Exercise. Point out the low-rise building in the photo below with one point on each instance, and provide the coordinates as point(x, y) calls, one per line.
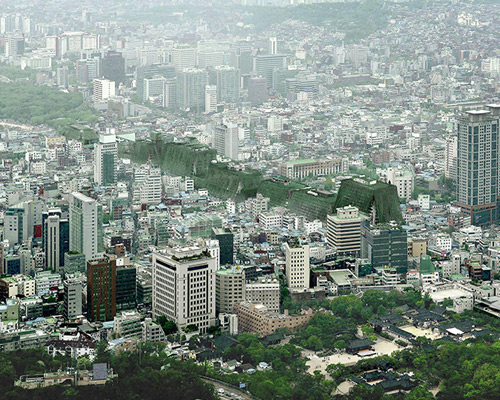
point(264, 291)
point(151, 331)
point(127, 325)
point(255, 318)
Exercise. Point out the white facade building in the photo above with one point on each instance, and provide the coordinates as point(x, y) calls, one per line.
point(184, 287)
point(103, 90)
point(85, 226)
point(105, 158)
point(297, 265)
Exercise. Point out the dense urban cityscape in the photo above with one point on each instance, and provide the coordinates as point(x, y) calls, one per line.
point(250, 199)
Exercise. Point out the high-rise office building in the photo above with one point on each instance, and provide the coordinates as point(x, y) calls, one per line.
point(227, 81)
point(273, 46)
point(191, 85)
point(230, 288)
point(226, 244)
point(85, 222)
point(51, 242)
point(450, 157)
point(257, 90)
point(74, 262)
point(113, 67)
point(62, 76)
point(88, 69)
point(241, 56)
point(184, 287)
point(210, 98)
point(183, 56)
point(82, 71)
point(149, 71)
point(344, 230)
point(297, 256)
point(264, 65)
point(226, 137)
point(14, 45)
point(72, 298)
point(101, 289)
point(103, 89)
point(477, 164)
point(384, 245)
point(18, 223)
point(105, 159)
point(170, 93)
point(126, 288)
point(153, 87)
point(209, 58)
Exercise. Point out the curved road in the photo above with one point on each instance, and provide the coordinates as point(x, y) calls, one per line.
point(228, 389)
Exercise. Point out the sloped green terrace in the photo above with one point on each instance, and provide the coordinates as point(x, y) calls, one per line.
point(363, 195)
point(195, 160)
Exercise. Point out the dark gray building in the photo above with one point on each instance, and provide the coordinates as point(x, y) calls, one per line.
point(384, 245)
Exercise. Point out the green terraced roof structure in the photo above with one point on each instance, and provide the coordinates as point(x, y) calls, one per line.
point(354, 192)
point(426, 265)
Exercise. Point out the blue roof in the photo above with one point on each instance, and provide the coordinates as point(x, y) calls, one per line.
point(36, 320)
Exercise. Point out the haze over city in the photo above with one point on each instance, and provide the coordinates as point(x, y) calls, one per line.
point(250, 199)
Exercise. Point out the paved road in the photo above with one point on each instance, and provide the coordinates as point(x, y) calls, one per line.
point(228, 389)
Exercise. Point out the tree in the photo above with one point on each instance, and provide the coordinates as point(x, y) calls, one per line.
point(102, 354)
point(193, 342)
point(7, 373)
point(169, 327)
point(419, 393)
point(367, 330)
point(340, 344)
point(314, 343)
point(83, 363)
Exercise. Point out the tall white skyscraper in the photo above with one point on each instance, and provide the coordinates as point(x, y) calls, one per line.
point(103, 89)
point(273, 45)
point(210, 98)
point(18, 223)
point(72, 298)
point(191, 85)
point(85, 226)
point(450, 157)
point(184, 287)
point(226, 140)
point(52, 247)
point(62, 76)
point(105, 158)
point(297, 265)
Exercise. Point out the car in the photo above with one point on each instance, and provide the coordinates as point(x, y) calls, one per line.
point(221, 391)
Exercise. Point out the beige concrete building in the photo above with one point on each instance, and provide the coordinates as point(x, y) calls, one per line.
point(301, 168)
point(297, 264)
point(255, 318)
point(229, 288)
point(417, 247)
point(344, 230)
point(265, 291)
